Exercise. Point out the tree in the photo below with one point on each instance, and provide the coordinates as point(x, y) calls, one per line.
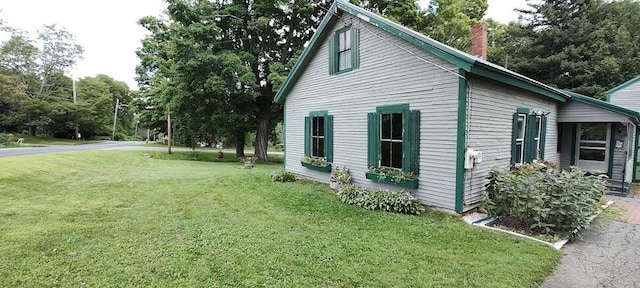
point(450, 21)
point(587, 46)
point(255, 41)
point(58, 53)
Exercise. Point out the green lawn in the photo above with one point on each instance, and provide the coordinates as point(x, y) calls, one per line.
point(116, 218)
point(39, 140)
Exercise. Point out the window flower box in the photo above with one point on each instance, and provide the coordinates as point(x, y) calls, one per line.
point(402, 182)
point(317, 167)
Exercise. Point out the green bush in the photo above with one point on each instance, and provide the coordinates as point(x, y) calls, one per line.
point(282, 176)
point(543, 199)
point(7, 139)
point(396, 201)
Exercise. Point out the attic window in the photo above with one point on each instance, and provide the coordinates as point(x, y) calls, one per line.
point(343, 50)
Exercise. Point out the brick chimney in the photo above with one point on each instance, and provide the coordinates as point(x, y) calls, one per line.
point(479, 41)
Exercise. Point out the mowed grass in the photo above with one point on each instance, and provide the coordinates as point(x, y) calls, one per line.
point(118, 219)
point(41, 140)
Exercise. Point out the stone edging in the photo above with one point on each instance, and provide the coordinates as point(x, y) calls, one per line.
point(482, 220)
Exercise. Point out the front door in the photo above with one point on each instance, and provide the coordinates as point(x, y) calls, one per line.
point(592, 153)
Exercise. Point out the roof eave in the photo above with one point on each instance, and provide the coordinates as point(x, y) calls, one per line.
point(522, 83)
point(621, 86)
point(605, 105)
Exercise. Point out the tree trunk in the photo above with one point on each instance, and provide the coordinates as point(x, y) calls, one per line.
point(262, 134)
point(32, 131)
point(240, 144)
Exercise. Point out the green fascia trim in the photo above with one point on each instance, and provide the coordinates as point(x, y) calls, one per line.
point(621, 86)
point(319, 113)
point(522, 110)
point(456, 57)
point(400, 108)
point(284, 134)
point(461, 141)
point(306, 54)
point(407, 183)
point(604, 105)
point(612, 150)
point(574, 142)
point(449, 54)
point(522, 83)
point(316, 167)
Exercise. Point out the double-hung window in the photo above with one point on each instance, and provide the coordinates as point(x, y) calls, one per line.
point(519, 127)
point(318, 138)
point(393, 138)
point(528, 136)
point(344, 50)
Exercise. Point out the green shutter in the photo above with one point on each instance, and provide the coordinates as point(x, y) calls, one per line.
point(355, 48)
point(373, 146)
point(543, 136)
point(332, 55)
point(328, 138)
point(514, 136)
point(412, 146)
point(529, 134)
point(307, 136)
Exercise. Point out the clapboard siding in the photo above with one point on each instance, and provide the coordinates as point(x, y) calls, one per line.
point(628, 97)
point(573, 111)
point(387, 75)
point(631, 140)
point(491, 107)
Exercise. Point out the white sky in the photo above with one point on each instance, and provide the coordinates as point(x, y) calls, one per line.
point(110, 36)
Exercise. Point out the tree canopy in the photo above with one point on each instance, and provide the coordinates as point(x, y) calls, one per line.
point(586, 46)
point(37, 97)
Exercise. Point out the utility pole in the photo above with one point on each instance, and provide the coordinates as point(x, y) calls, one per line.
point(169, 130)
point(73, 80)
point(115, 117)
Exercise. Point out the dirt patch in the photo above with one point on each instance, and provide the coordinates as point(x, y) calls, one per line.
point(630, 211)
point(78, 255)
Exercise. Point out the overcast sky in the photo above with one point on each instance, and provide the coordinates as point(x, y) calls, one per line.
point(110, 36)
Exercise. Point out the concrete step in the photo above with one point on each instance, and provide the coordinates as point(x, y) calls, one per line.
point(618, 188)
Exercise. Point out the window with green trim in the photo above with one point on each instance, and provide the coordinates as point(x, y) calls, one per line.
point(394, 138)
point(318, 135)
point(528, 136)
point(344, 50)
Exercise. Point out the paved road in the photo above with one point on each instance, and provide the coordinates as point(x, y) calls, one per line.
point(607, 256)
point(64, 148)
point(108, 145)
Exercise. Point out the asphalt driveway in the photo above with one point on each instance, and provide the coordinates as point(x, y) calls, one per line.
point(607, 256)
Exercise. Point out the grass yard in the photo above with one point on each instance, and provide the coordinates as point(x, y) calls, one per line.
point(116, 218)
point(40, 140)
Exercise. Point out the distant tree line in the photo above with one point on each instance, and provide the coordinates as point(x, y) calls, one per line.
point(36, 97)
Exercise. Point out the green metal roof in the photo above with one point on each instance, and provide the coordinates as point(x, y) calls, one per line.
point(462, 60)
point(604, 105)
point(620, 87)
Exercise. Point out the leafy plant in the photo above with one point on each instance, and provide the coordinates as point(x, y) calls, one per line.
point(6, 139)
point(282, 176)
point(396, 175)
point(341, 175)
point(543, 199)
point(389, 201)
point(317, 161)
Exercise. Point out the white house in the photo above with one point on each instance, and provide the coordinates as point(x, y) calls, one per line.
point(367, 92)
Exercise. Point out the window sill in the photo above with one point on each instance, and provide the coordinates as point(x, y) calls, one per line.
point(316, 167)
point(406, 183)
